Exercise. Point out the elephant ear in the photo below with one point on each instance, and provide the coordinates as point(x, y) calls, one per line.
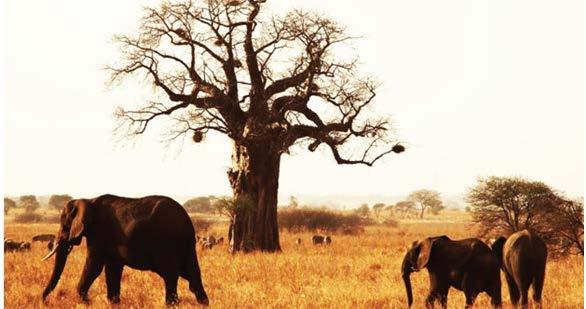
point(424, 252)
point(80, 221)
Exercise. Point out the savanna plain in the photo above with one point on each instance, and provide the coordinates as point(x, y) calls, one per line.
point(355, 271)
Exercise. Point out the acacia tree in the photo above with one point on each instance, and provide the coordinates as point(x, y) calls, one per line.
point(267, 82)
point(426, 199)
point(504, 205)
point(58, 201)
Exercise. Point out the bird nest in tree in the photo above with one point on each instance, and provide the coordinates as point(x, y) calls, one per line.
point(197, 137)
point(398, 148)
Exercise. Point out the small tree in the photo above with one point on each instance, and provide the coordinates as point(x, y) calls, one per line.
point(231, 207)
point(504, 205)
point(293, 203)
point(404, 207)
point(426, 199)
point(377, 208)
point(200, 204)
point(8, 204)
point(58, 201)
point(362, 211)
point(565, 226)
point(29, 203)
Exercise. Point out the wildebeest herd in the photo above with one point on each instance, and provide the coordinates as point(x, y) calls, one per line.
point(155, 233)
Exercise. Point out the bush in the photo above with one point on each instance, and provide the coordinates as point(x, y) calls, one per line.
point(312, 220)
point(28, 217)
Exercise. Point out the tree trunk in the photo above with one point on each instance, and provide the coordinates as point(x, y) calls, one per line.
point(255, 177)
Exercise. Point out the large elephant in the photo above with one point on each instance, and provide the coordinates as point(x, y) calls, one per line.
point(150, 233)
point(523, 257)
point(467, 265)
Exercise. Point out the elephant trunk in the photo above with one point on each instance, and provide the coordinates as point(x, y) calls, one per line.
point(406, 269)
point(62, 251)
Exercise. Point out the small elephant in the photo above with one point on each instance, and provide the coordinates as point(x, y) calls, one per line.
point(151, 233)
point(220, 241)
point(321, 239)
point(522, 257)
point(50, 245)
point(467, 265)
point(44, 237)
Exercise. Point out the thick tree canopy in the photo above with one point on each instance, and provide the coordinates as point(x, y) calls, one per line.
point(224, 66)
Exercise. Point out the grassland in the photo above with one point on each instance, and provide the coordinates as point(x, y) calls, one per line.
point(360, 271)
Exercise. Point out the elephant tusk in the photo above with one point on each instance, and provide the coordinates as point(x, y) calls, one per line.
point(50, 253)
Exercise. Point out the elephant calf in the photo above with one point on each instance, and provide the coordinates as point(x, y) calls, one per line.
point(522, 257)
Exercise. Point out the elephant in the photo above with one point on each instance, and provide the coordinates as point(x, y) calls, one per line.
point(50, 245)
point(467, 265)
point(150, 233)
point(321, 239)
point(522, 258)
point(44, 237)
point(220, 241)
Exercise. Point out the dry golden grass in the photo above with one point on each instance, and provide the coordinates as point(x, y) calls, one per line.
point(354, 272)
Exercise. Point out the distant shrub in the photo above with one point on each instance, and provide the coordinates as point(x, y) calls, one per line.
point(28, 217)
point(311, 220)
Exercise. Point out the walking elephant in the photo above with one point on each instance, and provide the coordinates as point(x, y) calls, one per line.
point(522, 258)
point(150, 233)
point(467, 265)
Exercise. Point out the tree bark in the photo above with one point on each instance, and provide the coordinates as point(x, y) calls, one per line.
point(254, 176)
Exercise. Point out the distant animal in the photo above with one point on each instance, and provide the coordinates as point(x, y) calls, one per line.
point(151, 233)
point(50, 245)
point(522, 258)
point(467, 265)
point(212, 239)
point(220, 241)
point(13, 246)
point(43, 237)
point(298, 241)
point(321, 239)
point(25, 246)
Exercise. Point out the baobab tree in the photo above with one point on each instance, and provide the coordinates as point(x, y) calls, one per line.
point(267, 82)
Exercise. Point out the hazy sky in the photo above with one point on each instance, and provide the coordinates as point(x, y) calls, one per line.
point(475, 88)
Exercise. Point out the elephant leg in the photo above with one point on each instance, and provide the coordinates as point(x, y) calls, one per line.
point(171, 297)
point(513, 290)
point(92, 269)
point(469, 290)
point(430, 299)
point(113, 277)
point(495, 296)
point(538, 286)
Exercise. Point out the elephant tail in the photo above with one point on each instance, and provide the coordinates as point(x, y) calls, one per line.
point(194, 274)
